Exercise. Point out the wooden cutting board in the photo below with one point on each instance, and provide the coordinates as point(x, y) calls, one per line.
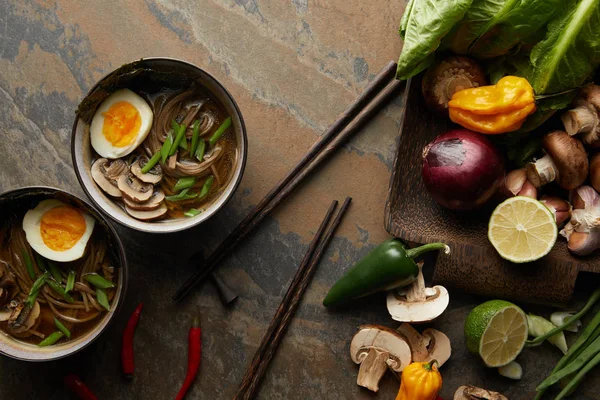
point(473, 265)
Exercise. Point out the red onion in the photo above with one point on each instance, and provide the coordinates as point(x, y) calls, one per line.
point(462, 169)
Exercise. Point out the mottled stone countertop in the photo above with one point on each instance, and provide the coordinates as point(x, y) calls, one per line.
point(292, 66)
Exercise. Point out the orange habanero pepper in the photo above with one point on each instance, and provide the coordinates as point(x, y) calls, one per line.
point(420, 381)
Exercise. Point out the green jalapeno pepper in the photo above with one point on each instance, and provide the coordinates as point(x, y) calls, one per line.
point(389, 266)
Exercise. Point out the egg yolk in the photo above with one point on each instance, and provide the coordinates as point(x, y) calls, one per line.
point(122, 123)
point(62, 227)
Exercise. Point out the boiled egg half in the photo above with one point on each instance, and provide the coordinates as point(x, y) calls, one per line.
point(58, 231)
point(120, 124)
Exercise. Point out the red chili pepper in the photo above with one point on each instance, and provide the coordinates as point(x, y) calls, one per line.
point(194, 352)
point(127, 359)
point(77, 386)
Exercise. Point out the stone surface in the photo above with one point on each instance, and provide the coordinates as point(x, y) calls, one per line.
point(292, 66)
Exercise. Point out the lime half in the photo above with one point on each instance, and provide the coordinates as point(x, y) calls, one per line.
point(522, 229)
point(497, 331)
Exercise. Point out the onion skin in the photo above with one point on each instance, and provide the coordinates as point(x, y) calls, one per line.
point(462, 169)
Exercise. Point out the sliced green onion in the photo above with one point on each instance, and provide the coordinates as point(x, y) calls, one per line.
point(102, 299)
point(35, 288)
point(195, 135)
point(179, 135)
point(184, 183)
point(59, 325)
point(207, 185)
point(55, 271)
point(192, 212)
point(51, 339)
point(201, 149)
point(151, 163)
point(99, 281)
point(219, 132)
point(70, 281)
point(166, 147)
point(28, 264)
point(57, 287)
point(182, 196)
point(40, 261)
point(183, 142)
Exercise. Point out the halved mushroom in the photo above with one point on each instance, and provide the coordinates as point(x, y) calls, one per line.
point(426, 347)
point(134, 189)
point(416, 303)
point(475, 393)
point(106, 173)
point(23, 316)
point(151, 204)
point(377, 348)
point(147, 215)
point(153, 176)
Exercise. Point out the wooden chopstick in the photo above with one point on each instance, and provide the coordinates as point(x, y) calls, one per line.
point(289, 305)
point(354, 118)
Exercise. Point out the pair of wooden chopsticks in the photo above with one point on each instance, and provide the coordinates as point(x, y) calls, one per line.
point(375, 96)
point(290, 303)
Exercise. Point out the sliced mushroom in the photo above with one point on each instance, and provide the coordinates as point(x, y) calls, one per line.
point(134, 189)
point(106, 173)
point(377, 348)
point(153, 176)
point(416, 303)
point(475, 393)
point(151, 204)
point(426, 347)
point(23, 316)
point(5, 314)
point(148, 215)
point(566, 161)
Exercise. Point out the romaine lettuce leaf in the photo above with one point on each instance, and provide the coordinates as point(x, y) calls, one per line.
point(423, 25)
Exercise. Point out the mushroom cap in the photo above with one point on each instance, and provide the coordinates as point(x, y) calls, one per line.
point(385, 340)
point(148, 215)
point(106, 173)
point(152, 203)
point(153, 176)
point(134, 189)
point(569, 157)
point(447, 77)
point(437, 300)
point(418, 343)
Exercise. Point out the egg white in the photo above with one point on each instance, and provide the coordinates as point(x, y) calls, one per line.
point(105, 148)
point(32, 227)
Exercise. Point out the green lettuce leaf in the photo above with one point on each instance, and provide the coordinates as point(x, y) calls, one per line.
point(423, 25)
point(492, 28)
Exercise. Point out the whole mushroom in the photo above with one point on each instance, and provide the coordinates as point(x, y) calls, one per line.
point(584, 118)
point(449, 76)
point(417, 303)
point(378, 348)
point(566, 161)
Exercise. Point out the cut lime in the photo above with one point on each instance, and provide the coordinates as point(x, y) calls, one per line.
point(522, 229)
point(496, 330)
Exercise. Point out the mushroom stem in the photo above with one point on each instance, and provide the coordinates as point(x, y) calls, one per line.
point(372, 369)
point(416, 291)
point(583, 118)
point(542, 171)
point(417, 251)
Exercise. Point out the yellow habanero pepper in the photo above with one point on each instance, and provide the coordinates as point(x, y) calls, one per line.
point(493, 109)
point(420, 381)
